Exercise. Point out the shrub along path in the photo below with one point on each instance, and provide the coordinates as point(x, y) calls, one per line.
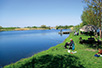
point(58, 57)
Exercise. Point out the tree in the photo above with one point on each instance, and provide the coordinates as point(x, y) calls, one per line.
point(81, 25)
point(56, 27)
point(34, 27)
point(43, 26)
point(88, 17)
point(93, 13)
point(64, 27)
point(1, 27)
point(28, 27)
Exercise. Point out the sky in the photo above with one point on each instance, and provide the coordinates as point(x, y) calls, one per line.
point(22, 13)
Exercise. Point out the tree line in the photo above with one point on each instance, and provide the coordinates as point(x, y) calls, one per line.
point(49, 27)
point(35, 27)
point(42, 26)
point(64, 27)
point(7, 28)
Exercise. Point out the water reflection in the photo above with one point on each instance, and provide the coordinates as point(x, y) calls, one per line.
point(60, 34)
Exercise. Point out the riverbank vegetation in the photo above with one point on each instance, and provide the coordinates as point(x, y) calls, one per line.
point(8, 28)
point(42, 27)
point(64, 27)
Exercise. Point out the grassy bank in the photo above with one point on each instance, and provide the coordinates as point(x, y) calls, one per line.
point(58, 57)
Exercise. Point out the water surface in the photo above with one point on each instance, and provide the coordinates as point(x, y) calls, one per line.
point(15, 45)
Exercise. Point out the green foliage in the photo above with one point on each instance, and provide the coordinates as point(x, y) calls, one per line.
point(64, 27)
point(8, 28)
point(28, 27)
point(34, 27)
point(1, 27)
point(77, 27)
point(89, 17)
point(43, 26)
point(93, 13)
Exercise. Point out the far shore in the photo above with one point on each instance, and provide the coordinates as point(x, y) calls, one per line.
point(30, 29)
point(22, 29)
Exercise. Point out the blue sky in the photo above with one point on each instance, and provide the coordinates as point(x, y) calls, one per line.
point(23, 13)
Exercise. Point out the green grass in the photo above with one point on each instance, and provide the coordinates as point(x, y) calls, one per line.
point(58, 57)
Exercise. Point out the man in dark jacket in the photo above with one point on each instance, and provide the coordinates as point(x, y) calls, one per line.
point(69, 44)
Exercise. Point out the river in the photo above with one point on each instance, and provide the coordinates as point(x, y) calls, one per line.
point(15, 45)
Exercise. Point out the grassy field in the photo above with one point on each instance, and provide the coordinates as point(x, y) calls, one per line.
point(58, 57)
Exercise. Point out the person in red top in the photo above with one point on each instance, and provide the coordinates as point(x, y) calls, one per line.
point(100, 51)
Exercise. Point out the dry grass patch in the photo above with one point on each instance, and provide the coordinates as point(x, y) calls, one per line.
point(93, 50)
